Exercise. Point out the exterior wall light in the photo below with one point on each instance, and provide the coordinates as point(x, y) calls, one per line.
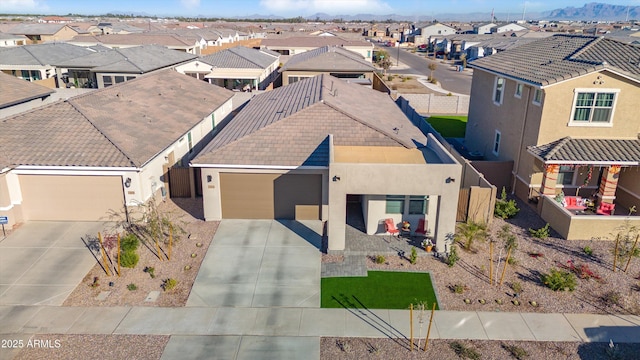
point(127, 182)
point(336, 178)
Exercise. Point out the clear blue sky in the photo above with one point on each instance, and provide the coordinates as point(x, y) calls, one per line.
point(287, 8)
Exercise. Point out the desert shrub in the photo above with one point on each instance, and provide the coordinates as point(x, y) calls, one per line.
point(464, 351)
point(558, 280)
point(151, 271)
point(541, 233)
point(611, 298)
point(512, 261)
point(389, 78)
point(459, 288)
point(169, 284)
point(516, 286)
point(433, 80)
point(470, 231)
point(587, 250)
point(129, 259)
point(132, 287)
point(453, 256)
point(581, 270)
point(129, 243)
point(380, 259)
point(505, 209)
point(516, 351)
point(414, 256)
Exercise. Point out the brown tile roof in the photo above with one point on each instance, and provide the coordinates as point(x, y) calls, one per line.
point(57, 135)
point(144, 116)
point(328, 58)
point(289, 126)
point(171, 40)
point(561, 57)
point(313, 41)
point(15, 91)
point(589, 151)
point(122, 125)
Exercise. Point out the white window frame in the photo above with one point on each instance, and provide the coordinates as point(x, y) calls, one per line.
point(519, 90)
point(536, 101)
point(495, 89)
point(595, 91)
point(497, 139)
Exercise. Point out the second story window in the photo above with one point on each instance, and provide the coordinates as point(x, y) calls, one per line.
point(537, 97)
point(498, 91)
point(519, 87)
point(593, 107)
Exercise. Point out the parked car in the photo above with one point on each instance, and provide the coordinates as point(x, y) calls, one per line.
point(422, 48)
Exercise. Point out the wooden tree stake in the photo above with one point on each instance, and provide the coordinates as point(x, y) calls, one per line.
point(506, 263)
point(633, 249)
point(490, 262)
point(104, 255)
point(615, 253)
point(411, 323)
point(119, 255)
point(170, 242)
point(426, 341)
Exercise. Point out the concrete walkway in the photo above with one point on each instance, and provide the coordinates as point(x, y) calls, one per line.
point(240, 332)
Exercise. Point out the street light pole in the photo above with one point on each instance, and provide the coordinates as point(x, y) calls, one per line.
point(398, 58)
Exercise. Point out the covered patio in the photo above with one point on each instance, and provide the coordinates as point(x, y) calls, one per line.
point(587, 181)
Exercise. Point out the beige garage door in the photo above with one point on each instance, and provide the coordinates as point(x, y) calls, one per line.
point(271, 196)
point(79, 198)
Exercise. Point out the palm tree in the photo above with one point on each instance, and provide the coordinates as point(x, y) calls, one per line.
point(510, 243)
point(469, 232)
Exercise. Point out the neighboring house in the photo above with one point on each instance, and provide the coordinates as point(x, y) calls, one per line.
point(484, 28)
point(54, 20)
point(106, 28)
point(17, 95)
point(508, 28)
point(421, 33)
point(36, 62)
point(7, 40)
point(564, 110)
point(41, 33)
point(236, 68)
point(113, 66)
point(107, 151)
point(495, 45)
point(187, 44)
point(299, 151)
point(300, 44)
point(332, 60)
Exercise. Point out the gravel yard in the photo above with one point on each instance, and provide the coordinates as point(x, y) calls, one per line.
point(198, 231)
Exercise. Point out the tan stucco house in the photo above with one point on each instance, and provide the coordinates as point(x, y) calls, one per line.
point(332, 60)
point(106, 151)
point(564, 110)
point(300, 151)
point(237, 68)
point(42, 33)
point(299, 44)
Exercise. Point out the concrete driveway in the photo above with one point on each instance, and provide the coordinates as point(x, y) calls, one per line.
point(261, 263)
point(42, 262)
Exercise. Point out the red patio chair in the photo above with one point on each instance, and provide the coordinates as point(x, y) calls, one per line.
point(390, 227)
point(422, 228)
point(605, 209)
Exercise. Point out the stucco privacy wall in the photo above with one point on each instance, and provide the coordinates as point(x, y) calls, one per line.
point(438, 104)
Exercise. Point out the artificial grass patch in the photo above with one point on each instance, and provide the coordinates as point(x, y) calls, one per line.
point(379, 290)
point(449, 126)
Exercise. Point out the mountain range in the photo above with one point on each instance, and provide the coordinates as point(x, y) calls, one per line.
point(588, 12)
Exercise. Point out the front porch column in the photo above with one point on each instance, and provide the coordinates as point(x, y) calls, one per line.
point(609, 184)
point(549, 180)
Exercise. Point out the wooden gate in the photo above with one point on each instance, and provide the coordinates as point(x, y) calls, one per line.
point(179, 182)
point(463, 205)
